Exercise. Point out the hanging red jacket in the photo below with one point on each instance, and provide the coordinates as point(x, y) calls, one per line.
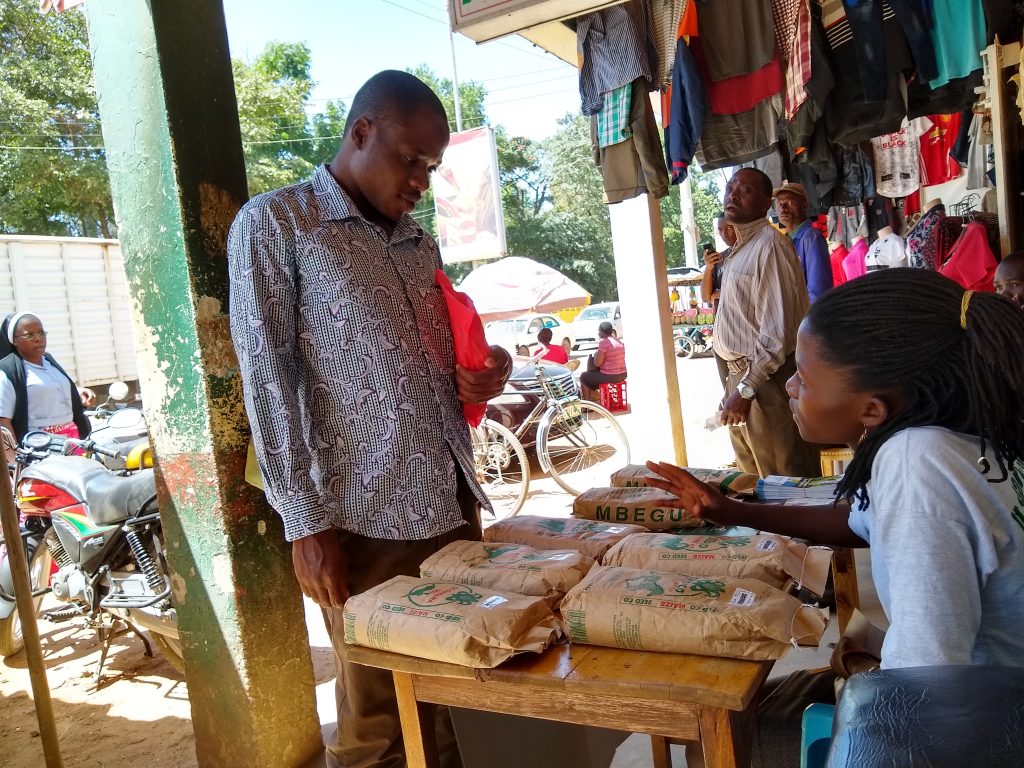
point(970, 262)
point(838, 273)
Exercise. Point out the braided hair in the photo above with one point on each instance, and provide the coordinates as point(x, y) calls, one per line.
point(899, 330)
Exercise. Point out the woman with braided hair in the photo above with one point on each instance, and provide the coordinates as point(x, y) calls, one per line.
point(926, 382)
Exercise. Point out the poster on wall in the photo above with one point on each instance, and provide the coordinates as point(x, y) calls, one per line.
point(467, 196)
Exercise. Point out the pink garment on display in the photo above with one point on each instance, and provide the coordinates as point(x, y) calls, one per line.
point(970, 262)
point(853, 264)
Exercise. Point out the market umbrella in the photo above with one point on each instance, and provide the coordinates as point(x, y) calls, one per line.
point(516, 286)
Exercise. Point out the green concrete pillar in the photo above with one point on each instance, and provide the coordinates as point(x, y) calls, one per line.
point(174, 153)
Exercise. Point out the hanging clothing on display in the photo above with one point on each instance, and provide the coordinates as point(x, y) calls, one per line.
point(1003, 18)
point(854, 264)
point(963, 137)
point(923, 239)
point(897, 171)
point(856, 177)
point(971, 262)
point(636, 165)
point(838, 255)
point(878, 214)
point(793, 36)
point(613, 119)
point(867, 22)
point(849, 117)
point(980, 153)
point(738, 36)
point(740, 93)
point(937, 164)
point(615, 46)
point(687, 105)
point(886, 252)
point(955, 96)
point(665, 18)
point(735, 139)
point(958, 35)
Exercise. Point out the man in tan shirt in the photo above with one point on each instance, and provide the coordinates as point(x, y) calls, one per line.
point(763, 299)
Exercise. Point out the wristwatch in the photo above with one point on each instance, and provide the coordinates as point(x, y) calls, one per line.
point(746, 391)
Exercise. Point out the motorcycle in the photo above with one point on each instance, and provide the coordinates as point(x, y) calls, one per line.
point(120, 427)
point(693, 340)
point(94, 541)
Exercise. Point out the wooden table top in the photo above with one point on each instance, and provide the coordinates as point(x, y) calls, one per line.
point(704, 680)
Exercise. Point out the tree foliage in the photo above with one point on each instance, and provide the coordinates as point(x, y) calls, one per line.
point(53, 176)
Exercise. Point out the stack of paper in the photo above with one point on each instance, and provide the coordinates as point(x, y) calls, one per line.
point(779, 488)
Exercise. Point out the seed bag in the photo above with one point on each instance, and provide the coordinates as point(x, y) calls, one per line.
point(509, 567)
point(650, 507)
point(590, 538)
point(765, 557)
point(725, 480)
point(650, 611)
point(453, 623)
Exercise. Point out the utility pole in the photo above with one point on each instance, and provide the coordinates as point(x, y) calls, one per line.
point(687, 223)
point(455, 72)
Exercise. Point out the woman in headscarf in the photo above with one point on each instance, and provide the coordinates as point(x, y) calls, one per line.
point(35, 392)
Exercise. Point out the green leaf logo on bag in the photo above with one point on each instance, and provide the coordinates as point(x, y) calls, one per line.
point(707, 544)
point(648, 584)
point(554, 526)
point(700, 588)
point(434, 595)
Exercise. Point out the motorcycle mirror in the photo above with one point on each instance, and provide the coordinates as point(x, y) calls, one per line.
point(37, 441)
point(118, 391)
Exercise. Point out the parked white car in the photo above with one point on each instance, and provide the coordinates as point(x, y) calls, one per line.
point(519, 335)
point(584, 327)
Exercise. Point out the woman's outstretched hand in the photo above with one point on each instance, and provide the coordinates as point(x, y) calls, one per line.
point(697, 497)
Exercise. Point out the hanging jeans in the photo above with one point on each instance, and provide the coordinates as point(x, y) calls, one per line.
point(867, 25)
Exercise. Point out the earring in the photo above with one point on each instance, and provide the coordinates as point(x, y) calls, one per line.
point(862, 436)
point(983, 465)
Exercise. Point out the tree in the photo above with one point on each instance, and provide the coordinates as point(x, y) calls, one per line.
point(53, 176)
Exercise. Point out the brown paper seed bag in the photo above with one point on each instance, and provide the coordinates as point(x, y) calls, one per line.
point(453, 623)
point(725, 480)
point(767, 557)
point(509, 567)
point(652, 508)
point(651, 611)
point(590, 538)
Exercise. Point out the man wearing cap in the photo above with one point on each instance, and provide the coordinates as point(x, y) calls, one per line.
point(791, 205)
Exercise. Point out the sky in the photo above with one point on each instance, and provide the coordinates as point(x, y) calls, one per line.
point(350, 40)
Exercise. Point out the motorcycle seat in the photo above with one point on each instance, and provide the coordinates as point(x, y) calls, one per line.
point(110, 498)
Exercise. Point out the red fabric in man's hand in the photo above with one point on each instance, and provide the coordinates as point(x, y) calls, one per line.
point(471, 347)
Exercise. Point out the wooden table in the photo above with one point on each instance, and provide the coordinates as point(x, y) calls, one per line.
point(669, 696)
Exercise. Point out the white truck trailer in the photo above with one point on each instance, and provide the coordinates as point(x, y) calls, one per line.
point(77, 287)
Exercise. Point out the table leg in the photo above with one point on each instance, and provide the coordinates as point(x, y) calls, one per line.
point(844, 581)
point(727, 737)
point(661, 751)
point(418, 724)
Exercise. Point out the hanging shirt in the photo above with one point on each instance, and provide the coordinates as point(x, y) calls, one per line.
point(813, 252)
point(896, 164)
point(853, 264)
point(687, 104)
point(923, 239)
point(615, 46)
point(937, 166)
point(48, 392)
point(971, 262)
point(886, 252)
point(838, 275)
point(958, 35)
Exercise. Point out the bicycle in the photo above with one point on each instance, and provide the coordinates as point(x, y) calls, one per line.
point(578, 443)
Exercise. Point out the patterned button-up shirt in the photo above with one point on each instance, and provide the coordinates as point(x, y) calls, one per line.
point(345, 348)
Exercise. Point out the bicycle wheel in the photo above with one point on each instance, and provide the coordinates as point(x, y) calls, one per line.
point(502, 468)
point(580, 444)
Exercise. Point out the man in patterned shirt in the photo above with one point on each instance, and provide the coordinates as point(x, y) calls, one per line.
point(763, 300)
point(346, 353)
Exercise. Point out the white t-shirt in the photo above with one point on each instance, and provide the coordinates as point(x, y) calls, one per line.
point(946, 551)
point(49, 396)
point(885, 252)
point(897, 169)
